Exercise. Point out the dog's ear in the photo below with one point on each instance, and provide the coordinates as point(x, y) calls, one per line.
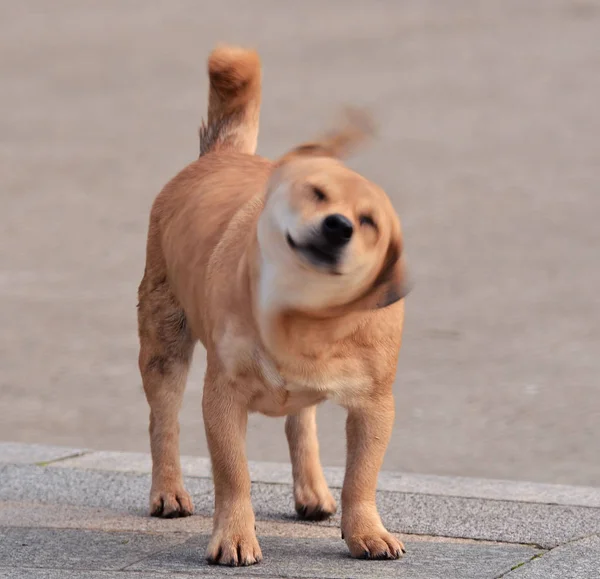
point(356, 127)
point(391, 284)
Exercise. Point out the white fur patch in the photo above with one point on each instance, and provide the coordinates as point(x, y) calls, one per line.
point(234, 350)
point(340, 388)
point(239, 353)
point(269, 372)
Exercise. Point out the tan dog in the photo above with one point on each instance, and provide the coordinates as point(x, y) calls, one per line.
point(291, 275)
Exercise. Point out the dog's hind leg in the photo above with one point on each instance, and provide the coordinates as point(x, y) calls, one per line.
point(311, 494)
point(166, 348)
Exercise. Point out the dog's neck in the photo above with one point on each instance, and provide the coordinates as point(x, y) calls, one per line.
point(284, 328)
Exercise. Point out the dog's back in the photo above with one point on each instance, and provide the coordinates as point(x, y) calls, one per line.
point(193, 211)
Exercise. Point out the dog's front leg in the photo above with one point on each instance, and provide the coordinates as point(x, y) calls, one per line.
point(368, 430)
point(233, 541)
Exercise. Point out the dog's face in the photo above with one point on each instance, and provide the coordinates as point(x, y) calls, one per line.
point(331, 237)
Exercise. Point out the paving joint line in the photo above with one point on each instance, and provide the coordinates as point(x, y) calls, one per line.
point(547, 552)
point(44, 463)
point(524, 563)
point(149, 556)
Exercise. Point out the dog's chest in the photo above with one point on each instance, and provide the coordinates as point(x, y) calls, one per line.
point(282, 389)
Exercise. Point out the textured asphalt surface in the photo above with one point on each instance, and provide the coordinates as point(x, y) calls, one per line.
point(489, 147)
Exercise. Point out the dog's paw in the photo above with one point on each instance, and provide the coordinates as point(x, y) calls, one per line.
point(171, 503)
point(375, 545)
point(314, 502)
point(232, 548)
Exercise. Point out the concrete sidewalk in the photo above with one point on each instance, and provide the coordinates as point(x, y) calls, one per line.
point(75, 513)
point(489, 148)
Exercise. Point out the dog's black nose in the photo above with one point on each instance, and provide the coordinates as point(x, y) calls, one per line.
point(337, 229)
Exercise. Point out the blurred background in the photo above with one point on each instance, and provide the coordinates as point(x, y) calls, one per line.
point(489, 147)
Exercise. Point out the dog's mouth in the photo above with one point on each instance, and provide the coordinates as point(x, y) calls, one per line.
point(319, 255)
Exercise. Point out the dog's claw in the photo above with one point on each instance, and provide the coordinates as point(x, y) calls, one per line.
point(234, 548)
point(317, 513)
point(171, 504)
point(376, 546)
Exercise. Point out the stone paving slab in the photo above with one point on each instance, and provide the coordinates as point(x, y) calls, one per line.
point(284, 557)
point(576, 560)
point(15, 452)
point(77, 549)
point(15, 573)
point(543, 525)
point(40, 515)
point(329, 558)
point(507, 521)
point(281, 473)
point(122, 491)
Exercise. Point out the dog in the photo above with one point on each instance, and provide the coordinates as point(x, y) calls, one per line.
point(292, 275)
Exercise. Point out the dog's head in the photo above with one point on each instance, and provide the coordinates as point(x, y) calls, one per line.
point(330, 236)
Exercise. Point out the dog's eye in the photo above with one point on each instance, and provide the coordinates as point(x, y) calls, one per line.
point(319, 195)
point(367, 220)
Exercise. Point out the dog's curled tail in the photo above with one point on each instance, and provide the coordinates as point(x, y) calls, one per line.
point(233, 101)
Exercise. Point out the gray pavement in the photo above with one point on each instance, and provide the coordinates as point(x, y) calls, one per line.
point(489, 147)
point(294, 557)
point(572, 561)
point(79, 517)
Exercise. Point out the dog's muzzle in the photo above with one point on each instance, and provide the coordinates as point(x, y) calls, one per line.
point(325, 246)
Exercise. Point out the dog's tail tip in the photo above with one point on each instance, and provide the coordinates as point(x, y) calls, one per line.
point(233, 100)
point(233, 70)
